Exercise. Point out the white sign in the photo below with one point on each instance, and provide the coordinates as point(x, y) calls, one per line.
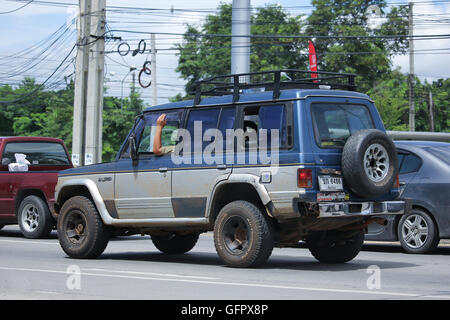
point(88, 159)
point(76, 159)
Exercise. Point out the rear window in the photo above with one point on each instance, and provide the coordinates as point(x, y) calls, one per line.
point(38, 153)
point(334, 123)
point(442, 153)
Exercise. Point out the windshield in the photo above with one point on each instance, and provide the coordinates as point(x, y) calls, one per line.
point(37, 153)
point(334, 123)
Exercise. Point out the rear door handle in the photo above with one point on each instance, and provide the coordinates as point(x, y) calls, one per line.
point(163, 169)
point(221, 166)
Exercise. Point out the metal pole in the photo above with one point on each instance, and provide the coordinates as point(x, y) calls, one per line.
point(94, 109)
point(240, 45)
point(81, 78)
point(153, 69)
point(412, 107)
point(431, 112)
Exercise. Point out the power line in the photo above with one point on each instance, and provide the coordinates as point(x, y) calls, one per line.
point(42, 84)
point(17, 9)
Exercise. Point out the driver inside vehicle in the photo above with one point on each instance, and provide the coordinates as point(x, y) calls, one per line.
point(158, 148)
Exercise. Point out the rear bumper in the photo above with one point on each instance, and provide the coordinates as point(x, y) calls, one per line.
point(350, 209)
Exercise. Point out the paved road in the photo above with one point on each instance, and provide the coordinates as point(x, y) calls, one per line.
point(132, 268)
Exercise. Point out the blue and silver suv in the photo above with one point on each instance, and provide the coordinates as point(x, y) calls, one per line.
point(263, 159)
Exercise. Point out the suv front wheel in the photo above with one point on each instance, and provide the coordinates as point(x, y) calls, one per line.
point(81, 231)
point(243, 235)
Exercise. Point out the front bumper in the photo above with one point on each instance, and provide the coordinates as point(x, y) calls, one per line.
point(350, 209)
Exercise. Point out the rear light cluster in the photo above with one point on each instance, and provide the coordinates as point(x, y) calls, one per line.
point(305, 178)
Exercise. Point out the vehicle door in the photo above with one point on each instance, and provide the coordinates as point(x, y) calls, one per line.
point(204, 159)
point(409, 165)
point(143, 186)
point(6, 196)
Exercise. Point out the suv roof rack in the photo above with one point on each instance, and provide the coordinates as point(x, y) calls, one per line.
point(275, 81)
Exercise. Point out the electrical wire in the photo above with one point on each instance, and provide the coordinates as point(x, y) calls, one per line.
point(17, 9)
point(41, 85)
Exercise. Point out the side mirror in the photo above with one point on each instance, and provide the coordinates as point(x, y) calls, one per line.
point(133, 150)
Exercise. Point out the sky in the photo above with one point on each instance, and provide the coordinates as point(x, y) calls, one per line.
point(24, 29)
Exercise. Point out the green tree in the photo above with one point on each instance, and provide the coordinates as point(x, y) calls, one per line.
point(201, 56)
point(391, 99)
point(369, 58)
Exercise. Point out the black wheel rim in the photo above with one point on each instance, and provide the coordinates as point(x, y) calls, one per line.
point(236, 235)
point(75, 227)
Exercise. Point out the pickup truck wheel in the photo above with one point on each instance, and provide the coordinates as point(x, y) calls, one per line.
point(175, 243)
point(328, 249)
point(81, 231)
point(243, 235)
point(369, 163)
point(417, 232)
point(34, 217)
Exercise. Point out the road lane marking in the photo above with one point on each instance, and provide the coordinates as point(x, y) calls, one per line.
point(239, 284)
point(151, 274)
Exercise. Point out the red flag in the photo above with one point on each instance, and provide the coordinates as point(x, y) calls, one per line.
point(312, 59)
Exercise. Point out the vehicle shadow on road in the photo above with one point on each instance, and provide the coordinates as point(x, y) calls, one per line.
point(16, 233)
point(276, 261)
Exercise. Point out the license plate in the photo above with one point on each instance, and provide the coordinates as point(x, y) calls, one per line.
point(330, 183)
point(335, 196)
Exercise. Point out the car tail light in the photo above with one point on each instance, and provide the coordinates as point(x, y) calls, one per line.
point(397, 182)
point(304, 178)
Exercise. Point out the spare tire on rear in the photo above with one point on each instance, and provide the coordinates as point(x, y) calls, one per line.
point(369, 163)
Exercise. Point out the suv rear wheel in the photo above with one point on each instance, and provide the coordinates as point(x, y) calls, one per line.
point(81, 231)
point(328, 248)
point(369, 163)
point(243, 235)
point(34, 217)
point(175, 243)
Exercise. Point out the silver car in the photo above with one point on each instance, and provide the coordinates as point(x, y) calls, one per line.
point(425, 181)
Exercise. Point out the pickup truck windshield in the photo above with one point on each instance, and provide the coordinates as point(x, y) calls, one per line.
point(334, 123)
point(38, 153)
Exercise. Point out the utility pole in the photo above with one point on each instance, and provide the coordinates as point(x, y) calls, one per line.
point(412, 107)
point(240, 40)
point(153, 69)
point(94, 106)
point(81, 81)
point(431, 112)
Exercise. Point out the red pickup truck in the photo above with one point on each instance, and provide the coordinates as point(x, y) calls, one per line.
point(26, 196)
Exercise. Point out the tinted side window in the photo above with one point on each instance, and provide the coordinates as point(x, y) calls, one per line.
point(38, 153)
point(226, 122)
point(270, 117)
point(411, 163)
point(207, 118)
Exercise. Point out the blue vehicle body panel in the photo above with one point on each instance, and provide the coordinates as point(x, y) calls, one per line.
point(304, 150)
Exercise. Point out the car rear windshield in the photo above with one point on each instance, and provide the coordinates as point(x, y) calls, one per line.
point(38, 153)
point(334, 123)
point(442, 153)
